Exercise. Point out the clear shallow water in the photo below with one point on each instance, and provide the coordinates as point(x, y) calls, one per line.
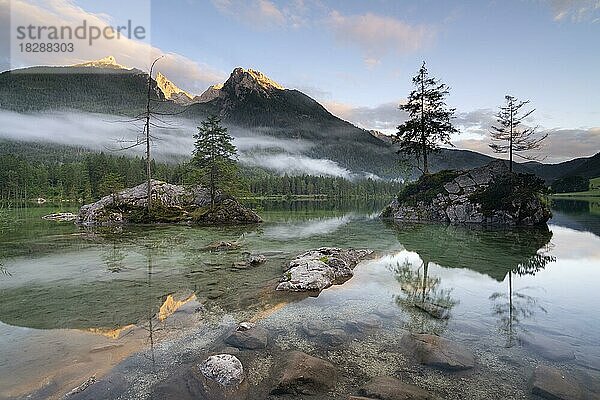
point(83, 285)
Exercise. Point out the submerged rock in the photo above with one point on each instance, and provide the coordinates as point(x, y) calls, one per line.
point(305, 375)
point(551, 383)
point(248, 336)
point(170, 204)
point(548, 348)
point(388, 388)
point(318, 269)
point(435, 310)
point(477, 196)
point(60, 217)
point(438, 352)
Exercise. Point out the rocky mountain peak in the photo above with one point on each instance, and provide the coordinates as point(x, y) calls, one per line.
point(243, 80)
point(171, 91)
point(106, 62)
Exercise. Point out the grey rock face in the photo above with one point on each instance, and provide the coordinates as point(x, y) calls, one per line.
point(224, 369)
point(438, 352)
point(318, 269)
point(453, 205)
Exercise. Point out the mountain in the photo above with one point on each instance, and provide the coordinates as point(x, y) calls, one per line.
point(249, 102)
point(172, 92)
point(107, 62)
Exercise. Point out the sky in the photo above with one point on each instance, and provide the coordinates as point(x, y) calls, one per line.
point(357, 57)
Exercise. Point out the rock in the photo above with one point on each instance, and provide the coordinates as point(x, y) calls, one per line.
point(303, 374)
point(333, 337)
point(109, 387)
point(436, 311)
point(360, 398)
point(171, 204)
point(363, 325)
point(255, 259)
point(318, 269)
point(438, 352)
point(248, 336)
point(452, 188)
point(221, 245)
point(313, 328)
point(388, 388)
point(191, 383)
point(225, 369)
point(551, 383)
point(454, 196)
point(60, 217)
point(548, 348)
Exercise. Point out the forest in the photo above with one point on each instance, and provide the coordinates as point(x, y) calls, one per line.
point(88, 176)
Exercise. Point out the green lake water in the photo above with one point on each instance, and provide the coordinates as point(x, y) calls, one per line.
point(505, 290)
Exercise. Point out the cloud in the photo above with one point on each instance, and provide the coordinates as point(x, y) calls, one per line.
point(385, 117)
point(575, 10)
point(102, 132)
point(378, 36)
point(186, 73)
point(561, 145)
point(306, 229)
point(264, 14)
point(295, 164)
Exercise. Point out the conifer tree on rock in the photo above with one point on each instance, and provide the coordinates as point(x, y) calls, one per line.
point(429, 122)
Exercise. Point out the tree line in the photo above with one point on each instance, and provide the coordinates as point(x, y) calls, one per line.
point(94, 175)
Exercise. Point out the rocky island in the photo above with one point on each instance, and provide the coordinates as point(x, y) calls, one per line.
point(488, 195)
point(170, 204)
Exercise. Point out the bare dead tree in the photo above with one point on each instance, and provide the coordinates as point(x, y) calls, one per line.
point(509, 137)
point(149, 118)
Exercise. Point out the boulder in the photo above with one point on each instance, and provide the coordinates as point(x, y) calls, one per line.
point(388, 388)
point(220, 378)
point(303, 374)
point(248, 336)
point(551, 383)
point(459, 197)
point(438, 352)
point(225, 369)
point(170, 204)
point(318, 269)
point(548, 348)
point(333, 337)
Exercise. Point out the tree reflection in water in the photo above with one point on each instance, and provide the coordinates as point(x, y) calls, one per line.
point(496, 252)
point(422, 297)
point(513, 307)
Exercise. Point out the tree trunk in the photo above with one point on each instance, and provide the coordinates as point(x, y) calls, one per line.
point(147, 128)
point(510, 151)
point(212, 186)
point(423, 138)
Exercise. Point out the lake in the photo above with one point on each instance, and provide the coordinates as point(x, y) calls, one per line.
point(138, 302)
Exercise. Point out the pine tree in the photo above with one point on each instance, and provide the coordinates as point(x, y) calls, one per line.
point(429, 122)
point(509, 138)
point(214, 156)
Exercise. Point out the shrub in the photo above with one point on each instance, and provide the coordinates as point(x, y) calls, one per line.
point(426, 187)
point(508, 192)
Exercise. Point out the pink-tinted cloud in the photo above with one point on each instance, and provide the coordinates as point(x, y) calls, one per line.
point(378, 36)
